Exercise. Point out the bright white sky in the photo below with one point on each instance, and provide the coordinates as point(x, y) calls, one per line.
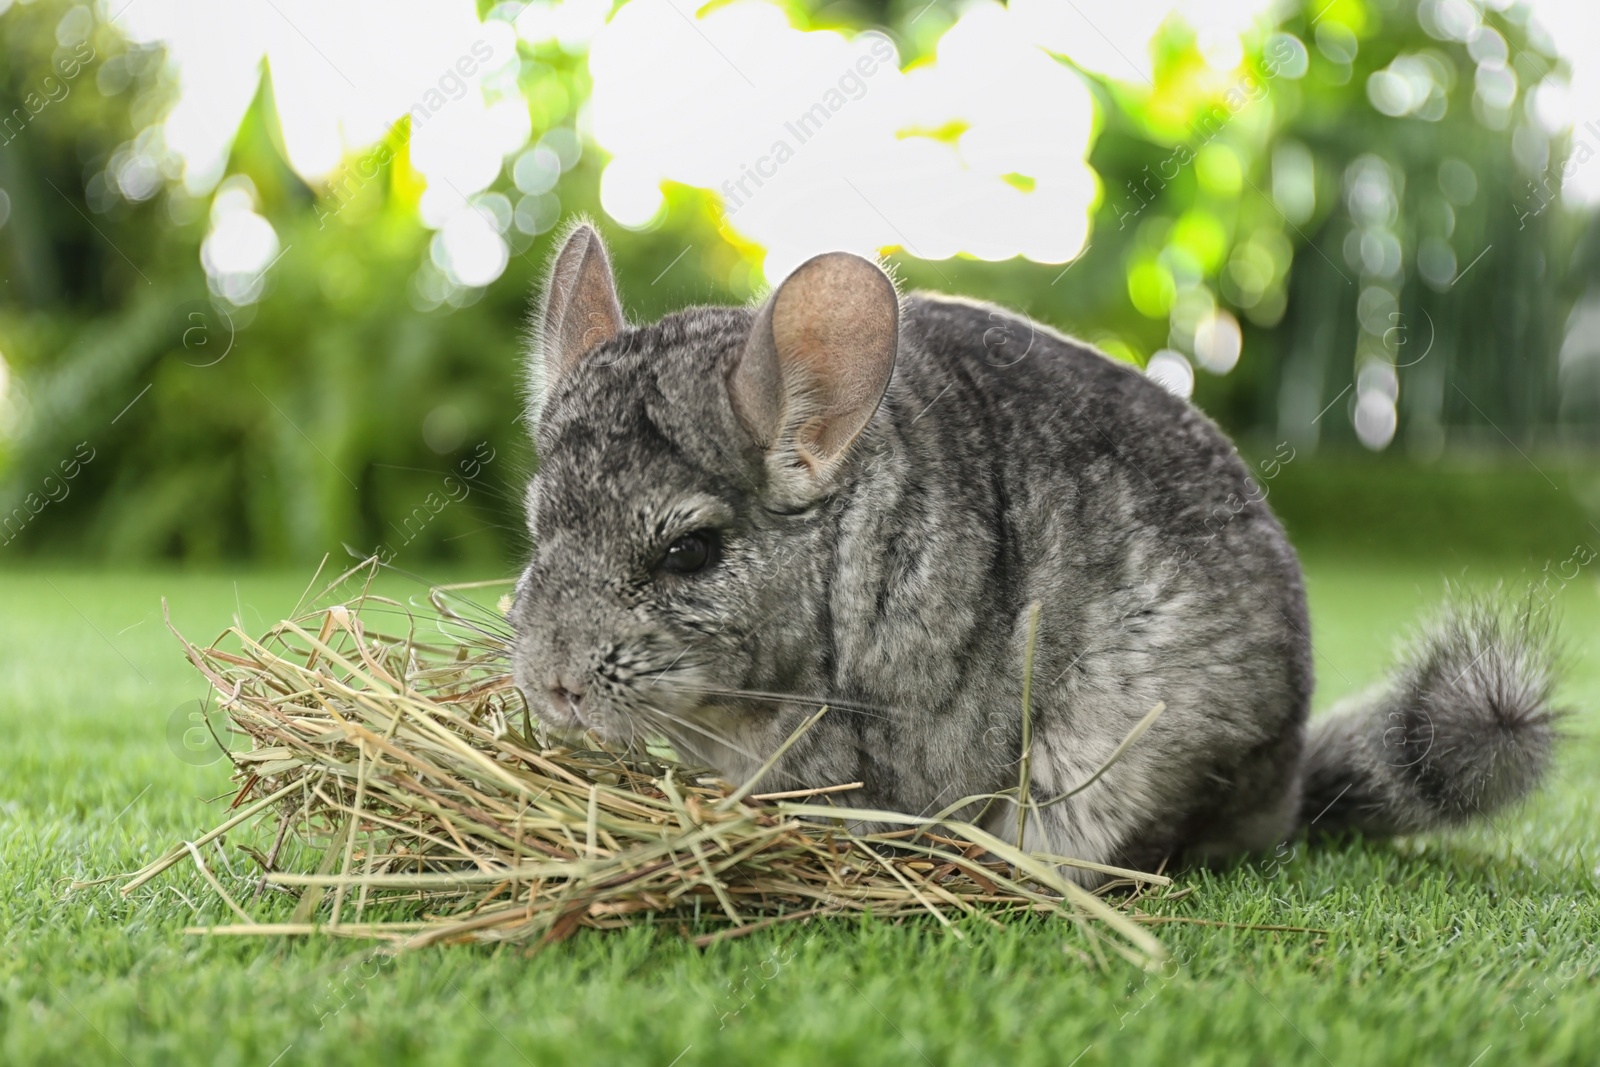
point(706, 100)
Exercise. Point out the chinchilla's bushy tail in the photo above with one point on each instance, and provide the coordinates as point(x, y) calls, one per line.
point(1463, 726)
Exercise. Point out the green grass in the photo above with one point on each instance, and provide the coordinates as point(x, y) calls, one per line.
point(1460, 509)
point(1476, 948)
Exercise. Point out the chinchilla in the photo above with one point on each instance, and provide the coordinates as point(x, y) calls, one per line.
point(854, 498)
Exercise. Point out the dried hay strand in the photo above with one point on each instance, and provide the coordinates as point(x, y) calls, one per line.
point(410, 796)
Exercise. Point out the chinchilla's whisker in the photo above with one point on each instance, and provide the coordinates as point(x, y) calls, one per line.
point(663, 717)
point(469, 636)
point(707, 732)
point(786, 698)
point(666, 733)
point(447, 603)
point(447, 609)
point(466, 611)
point(502, 640)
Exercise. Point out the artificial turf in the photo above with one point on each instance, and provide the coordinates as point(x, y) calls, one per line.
point(1471, 949)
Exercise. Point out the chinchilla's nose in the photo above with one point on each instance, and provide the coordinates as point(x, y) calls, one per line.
point(566, 693)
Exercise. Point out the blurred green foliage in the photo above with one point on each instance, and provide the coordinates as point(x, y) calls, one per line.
point(333, 410)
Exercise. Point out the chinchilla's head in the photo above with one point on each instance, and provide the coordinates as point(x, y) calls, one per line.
point(679, 512)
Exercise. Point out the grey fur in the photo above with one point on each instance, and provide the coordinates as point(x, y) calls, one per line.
point(1005, 464)
point(1464, 726)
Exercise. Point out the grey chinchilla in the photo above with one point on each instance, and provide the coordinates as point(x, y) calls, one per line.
point(850, 497)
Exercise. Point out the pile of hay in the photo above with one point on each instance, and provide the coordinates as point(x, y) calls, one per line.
point(408, 794)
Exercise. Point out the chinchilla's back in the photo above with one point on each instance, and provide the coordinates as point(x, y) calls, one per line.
point(853, 499)
point(1034, 469)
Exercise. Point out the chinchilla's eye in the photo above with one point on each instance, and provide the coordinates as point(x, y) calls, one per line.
point(691, 553)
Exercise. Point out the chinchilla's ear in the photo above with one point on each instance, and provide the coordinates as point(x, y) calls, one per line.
point(579, 309)
point(816, 365)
